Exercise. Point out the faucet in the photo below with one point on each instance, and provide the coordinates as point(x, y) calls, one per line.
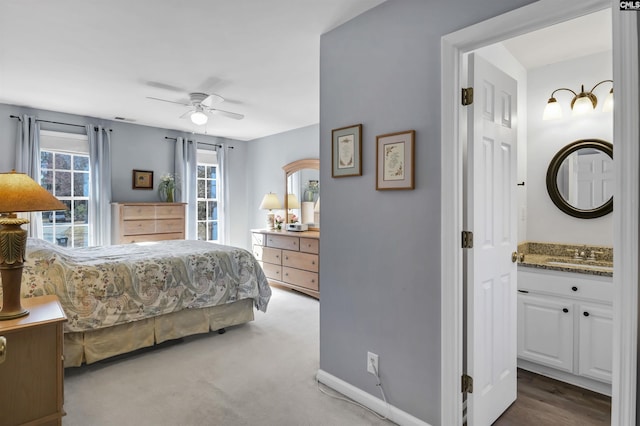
point(576, 254)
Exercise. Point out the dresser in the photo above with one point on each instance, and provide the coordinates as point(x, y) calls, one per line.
point(31, 365)
point(290, 259)
point(138, 222)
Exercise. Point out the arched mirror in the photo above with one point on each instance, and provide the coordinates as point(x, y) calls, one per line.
point(580, 178)
point(302, 189)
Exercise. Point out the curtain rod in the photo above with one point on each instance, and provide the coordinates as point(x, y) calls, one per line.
point(57, 122)
point(217, 145)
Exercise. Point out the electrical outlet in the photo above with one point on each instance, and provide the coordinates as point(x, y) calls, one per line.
point(372, 363)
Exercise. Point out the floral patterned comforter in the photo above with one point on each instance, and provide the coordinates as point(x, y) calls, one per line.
point(104, 286)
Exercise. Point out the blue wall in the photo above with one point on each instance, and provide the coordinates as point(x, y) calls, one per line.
point(380, 250)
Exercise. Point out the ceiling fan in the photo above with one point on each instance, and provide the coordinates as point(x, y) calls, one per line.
point(200, 107)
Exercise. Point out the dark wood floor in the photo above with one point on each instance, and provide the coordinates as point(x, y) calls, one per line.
point(543, 401)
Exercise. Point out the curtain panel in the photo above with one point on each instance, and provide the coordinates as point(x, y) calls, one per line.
point(186, 167)
point(100, 200)
point(28, 161)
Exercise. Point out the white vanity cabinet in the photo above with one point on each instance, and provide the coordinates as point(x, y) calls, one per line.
point(565, 326)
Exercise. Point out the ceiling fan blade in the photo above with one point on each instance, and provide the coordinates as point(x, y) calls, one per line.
point(187, 114)
point(229, 114)
point(212, 99)
point(165, 100)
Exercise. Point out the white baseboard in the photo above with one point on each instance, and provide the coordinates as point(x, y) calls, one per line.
point(572, 379)
point(358, 395)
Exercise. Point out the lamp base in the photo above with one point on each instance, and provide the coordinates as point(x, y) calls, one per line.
point(12, 315)
point(13, 243)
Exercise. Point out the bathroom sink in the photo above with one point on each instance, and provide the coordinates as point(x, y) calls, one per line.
point(582, 266)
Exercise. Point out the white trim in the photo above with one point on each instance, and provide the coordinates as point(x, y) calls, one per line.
point(625, 223)
point(563, 376)
point(361, 397)
point(625, 57)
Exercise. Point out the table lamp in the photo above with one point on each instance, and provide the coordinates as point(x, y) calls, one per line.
point(18, 193)
point(270, 202)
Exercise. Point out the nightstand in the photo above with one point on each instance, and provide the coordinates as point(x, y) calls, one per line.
point(31, 368)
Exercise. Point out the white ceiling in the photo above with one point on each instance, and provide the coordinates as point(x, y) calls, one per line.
point(104, 58)
point(582, 36)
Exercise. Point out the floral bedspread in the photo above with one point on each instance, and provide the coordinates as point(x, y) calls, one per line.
point(104, 286)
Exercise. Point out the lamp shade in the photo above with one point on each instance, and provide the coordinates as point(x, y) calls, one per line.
point(270, 202)
point(292, 201)
point(582, 105)
point(608, 102)
point(20, 193)
point(552, 111)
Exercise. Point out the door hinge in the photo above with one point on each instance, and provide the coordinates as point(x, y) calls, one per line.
point(467, 384)
point(467, 239)
point(467, 96)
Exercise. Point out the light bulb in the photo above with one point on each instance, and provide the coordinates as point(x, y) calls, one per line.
point(199, 118)
point(582, 105)
point(608, 102)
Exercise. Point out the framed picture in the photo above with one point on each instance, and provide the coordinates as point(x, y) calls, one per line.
point(346, 151)
point(395, 160)
point(142, 179)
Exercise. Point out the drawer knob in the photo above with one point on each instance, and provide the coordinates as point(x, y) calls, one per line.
point(565, 310)
point(313, 262)
point(286, 258)
point(586, 314)
point(574, 288)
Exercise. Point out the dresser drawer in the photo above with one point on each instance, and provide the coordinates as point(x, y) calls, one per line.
point(169, 212)
point(257, 239)
point(309, 245)
point(567, 284)
point(128, 239)
point(301, 278)
point(272, 271)
point(138, 212)
point(137, 227)
point(170, 225)
point(280, 241)
point(296, 259)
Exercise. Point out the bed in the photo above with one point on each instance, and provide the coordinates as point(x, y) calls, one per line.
point(125, 297)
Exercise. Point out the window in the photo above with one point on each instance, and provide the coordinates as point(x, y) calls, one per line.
point(207, 199)
point(65, 172)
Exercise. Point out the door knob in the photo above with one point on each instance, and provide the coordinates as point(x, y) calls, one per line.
point(517, 257)
point(3, 349)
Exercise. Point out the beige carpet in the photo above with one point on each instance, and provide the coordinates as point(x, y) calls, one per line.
point(261, 373)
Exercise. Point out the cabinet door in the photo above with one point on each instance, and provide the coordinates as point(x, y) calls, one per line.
point(596, 342)
point(545, 331)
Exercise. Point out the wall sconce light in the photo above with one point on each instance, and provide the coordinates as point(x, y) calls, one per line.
point(270, 202)
point(581, 103)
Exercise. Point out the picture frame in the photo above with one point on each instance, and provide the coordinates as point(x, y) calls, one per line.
point(142, 179)
point(346, 151)
point(395, 160)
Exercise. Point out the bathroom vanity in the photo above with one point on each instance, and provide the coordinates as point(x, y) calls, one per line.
point(565, 322)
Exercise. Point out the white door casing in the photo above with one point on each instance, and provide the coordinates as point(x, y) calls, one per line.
point(626, 74)
point(491, 279)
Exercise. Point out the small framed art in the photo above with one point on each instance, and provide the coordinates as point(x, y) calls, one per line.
point(346, 151)
point(142, 179)
point(395, 160)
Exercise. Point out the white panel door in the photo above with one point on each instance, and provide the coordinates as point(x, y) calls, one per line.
point(545, 331)
point(491, 274)
point(596, 340)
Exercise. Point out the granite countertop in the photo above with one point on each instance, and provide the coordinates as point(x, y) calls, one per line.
point(558, 257)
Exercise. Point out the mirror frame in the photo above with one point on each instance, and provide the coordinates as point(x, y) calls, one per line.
point(291, 168)
point(552, 179)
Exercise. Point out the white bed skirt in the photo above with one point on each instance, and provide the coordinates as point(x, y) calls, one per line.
point(91, 346)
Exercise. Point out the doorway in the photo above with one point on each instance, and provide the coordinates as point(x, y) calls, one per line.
point(529, 18)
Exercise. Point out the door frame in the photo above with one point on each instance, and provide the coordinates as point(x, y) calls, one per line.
point(627, 186)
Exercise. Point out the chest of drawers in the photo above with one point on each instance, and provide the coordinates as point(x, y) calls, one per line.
point(138, 222)
point(290, 259)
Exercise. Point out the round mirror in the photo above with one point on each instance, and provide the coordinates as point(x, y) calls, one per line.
point(580, 178)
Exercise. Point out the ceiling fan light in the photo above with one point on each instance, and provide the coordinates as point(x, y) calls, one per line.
point(552, 111)
point(199, 118)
